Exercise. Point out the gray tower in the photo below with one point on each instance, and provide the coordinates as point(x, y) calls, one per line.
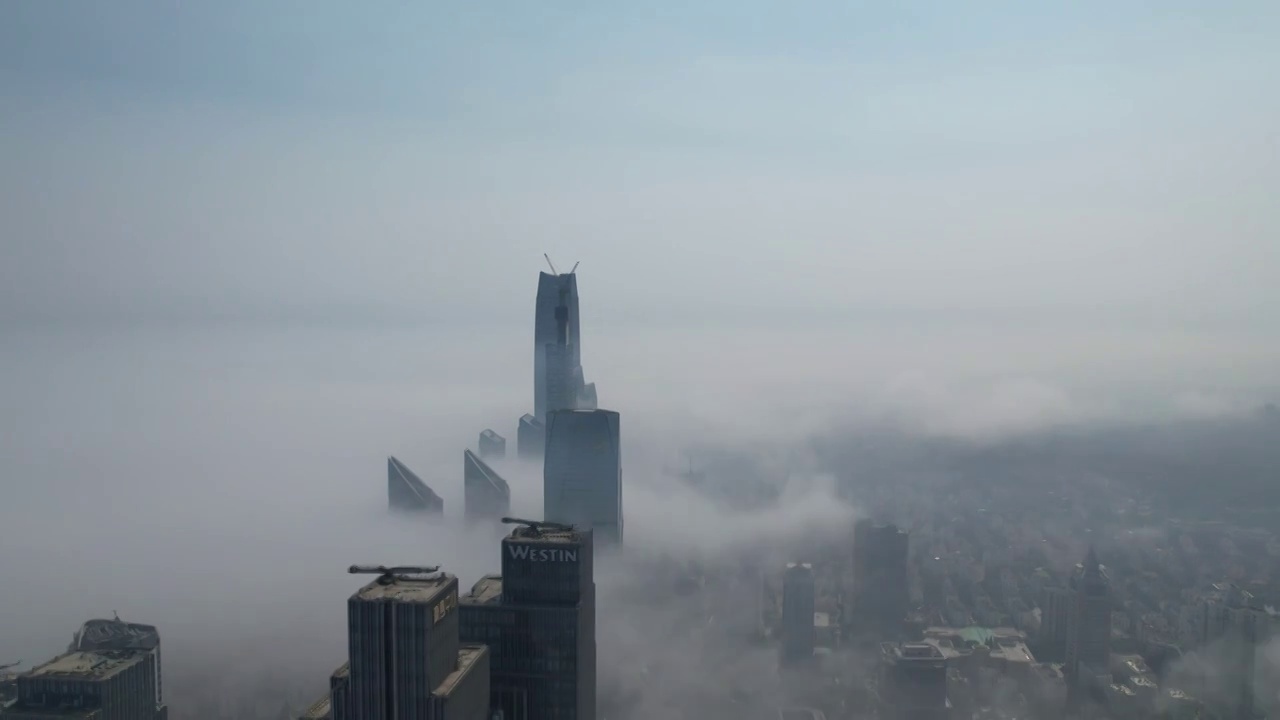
point(531, 438)
point(798, 604)
point(1089, 639)
point(582, 472)
point(492, 445)
point(552, 328)
point(881, 593)
point(406, 491)
point(486, 495)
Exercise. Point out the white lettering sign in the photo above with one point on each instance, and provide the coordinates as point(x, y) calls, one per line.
point(532, 553)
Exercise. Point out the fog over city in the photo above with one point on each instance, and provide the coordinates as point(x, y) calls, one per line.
point(1003, 276)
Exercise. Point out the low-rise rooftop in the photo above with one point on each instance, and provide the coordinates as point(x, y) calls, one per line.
point(486, 591)
point(467, 657)
point(408, 588)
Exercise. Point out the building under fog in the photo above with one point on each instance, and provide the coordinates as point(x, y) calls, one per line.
point(1089, 640)
point(486, 496)
point(531, 437)
point(111, 671)
point(539, 620)
point(491, 445)
point(582, 472)
point(1232, 621)
point(556, 325)
point(407, 491)
point(798, 602)
point(881, 590)
point(913, 682)
point(405, 659)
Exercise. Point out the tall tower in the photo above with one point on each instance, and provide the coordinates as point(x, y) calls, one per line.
point(582, 471)
point(1089, 639)
point(881, 594)
point(798, 602)
point(550, 328)
point(539, 618)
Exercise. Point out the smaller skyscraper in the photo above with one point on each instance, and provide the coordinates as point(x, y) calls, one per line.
point(406, 491)
point(1232, 622)
point(406, 661)
point(117, 635)
point(1056, 607)
point(486, 496)
point(582, 472)
point(531, 438)
point(1089, 641)
point(798, 604)
point(881, 590)
point(91, 685)
point(913, 682)
point(492, 446)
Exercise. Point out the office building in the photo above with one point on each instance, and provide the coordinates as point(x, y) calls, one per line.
point(913, 682)
point(492, 446)
point(1056, 605)
point(881, 590)
point(531, 438)
point(116, 634)
point(582, 472)
point(1089, 640)
point(798, 602)
point(486, 496)
point(406, 491)
point(405, 658)
point(91, 685)
point(539, 620)
point(556, 324)
point(1235, 626)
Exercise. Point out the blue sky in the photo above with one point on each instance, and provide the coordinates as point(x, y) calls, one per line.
point(937, 157)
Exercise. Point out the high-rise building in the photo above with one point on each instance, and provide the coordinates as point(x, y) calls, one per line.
point(556, 323)
point(1089, 640)
point(1056, 607)
point(486, 496)
point(116, 634)
point(798, 602)
point(881, 590)
point(913, 682)
point(406, 660)
point(582, 472)
point(105, 684)
point(539, 620)
point(407, 491)
point(1234, 627)
point(492, 445)
point(531, 438)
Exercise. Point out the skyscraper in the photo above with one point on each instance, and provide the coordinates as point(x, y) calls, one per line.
point(539, 620)
point(492, 445)
point(582, 472)
point(798, 602)
point(118, 635)
point(1233, 622)
point(486, 496)
point(406, 661)
point(555, 323)
point(406, 491)
point(913, 682)
point(531, 438)
point(881, 593)
point(1089, 639)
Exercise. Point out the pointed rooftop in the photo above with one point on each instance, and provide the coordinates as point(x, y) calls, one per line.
point(407, 491)
point(486, 493)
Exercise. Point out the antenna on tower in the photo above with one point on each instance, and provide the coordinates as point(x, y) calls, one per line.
point(553, 267)
point(575, 267)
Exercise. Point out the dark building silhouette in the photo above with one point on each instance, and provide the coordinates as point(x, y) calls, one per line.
point(556, 323)
point(486, 496)
point(1232, 621)
point(110, 672)
point(406, 491)
point(881, 590)
point(913, 682)
point(1089, 640)
point(539, 620)
point(582, 472)
point(405, 658)
point(798, 604)
point(531, 438)
point(492, 445)
point(1056, 607)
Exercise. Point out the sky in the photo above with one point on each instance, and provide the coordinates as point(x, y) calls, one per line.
point(746, 162)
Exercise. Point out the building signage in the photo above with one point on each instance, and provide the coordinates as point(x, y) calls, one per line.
point(443, 607)
point(533, 553)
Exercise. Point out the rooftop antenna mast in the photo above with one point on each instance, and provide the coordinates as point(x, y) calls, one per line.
point(575, 267)
point(10, 665)
point(537, 526)
point(553, 267)
point(387, 575)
